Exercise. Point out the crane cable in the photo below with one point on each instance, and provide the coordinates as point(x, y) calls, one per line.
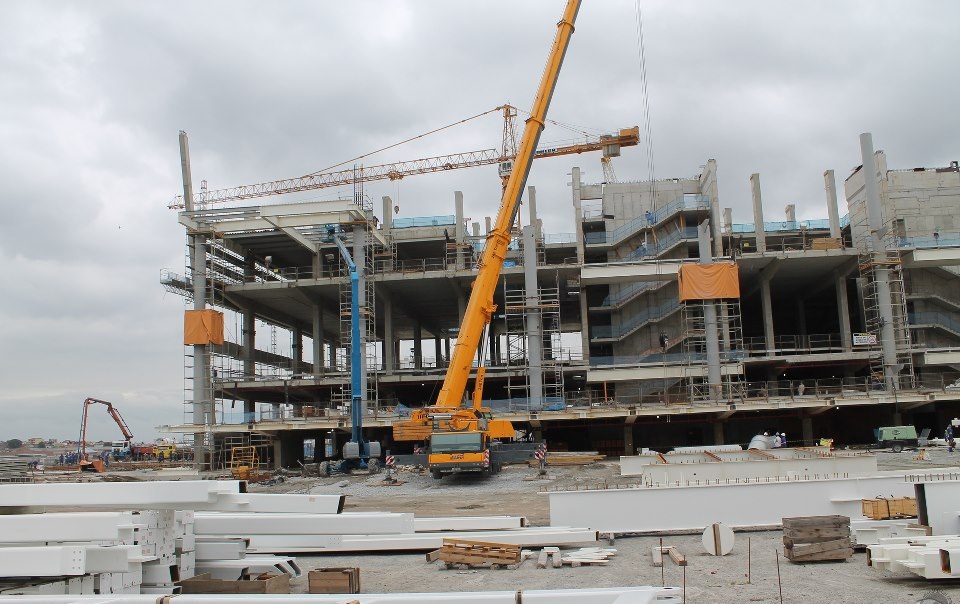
point(413, 138)
point(651, 165)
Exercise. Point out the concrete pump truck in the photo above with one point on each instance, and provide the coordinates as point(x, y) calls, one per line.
point(460, 439)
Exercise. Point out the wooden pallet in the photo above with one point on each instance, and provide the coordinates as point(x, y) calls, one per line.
point(470, 554)
point(817, 538)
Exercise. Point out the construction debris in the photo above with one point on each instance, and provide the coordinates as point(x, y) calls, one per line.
point(817, 538)
point(658, 551)
point(567, 459)
point(588, 556)
point(718, 539)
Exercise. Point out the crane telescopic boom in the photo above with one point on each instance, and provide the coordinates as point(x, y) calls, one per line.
point(480, 307)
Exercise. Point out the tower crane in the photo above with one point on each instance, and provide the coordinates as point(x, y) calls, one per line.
point(609, 144)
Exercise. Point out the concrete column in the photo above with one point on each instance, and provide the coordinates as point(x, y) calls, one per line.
point(533, 319)
point(888, 341)
point(628, 446)
point(532, 210)
point(577, 214)
point(438, 348)
point(718, 433)
point(806, 429)
point(709, 186)
point(296, 349)
point(446, 349)
point(461, 304)
point(843, 309)
point(492, 348)
point(489, 225)
point(833, 213)
point(767, 308)
point(316, 265)
point(319, 352)
point(711, 325)
point(387, 222)
point(802, 320)
point(417, 345)
point(728, 220)
point(758, 212)
point(790, 212)
point(458, 204)
point(476, 229)
point(202, 405)
point(277, 453)
point(248, 339)
point(389, 345)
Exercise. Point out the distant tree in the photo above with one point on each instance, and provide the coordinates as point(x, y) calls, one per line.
point(41, 445)
point(14, 443)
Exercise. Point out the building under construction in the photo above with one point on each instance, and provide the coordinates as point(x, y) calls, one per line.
point(834, 326)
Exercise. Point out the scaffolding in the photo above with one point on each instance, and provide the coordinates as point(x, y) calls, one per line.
point(881, 270)
point(532, 332)
point(250, 449)
point(729, 335)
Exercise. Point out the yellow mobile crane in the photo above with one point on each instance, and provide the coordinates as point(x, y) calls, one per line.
point(460, 438)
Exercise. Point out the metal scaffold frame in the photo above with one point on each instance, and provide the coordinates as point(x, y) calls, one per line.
point(877, 266)
point(729, 332)
point(519, 310)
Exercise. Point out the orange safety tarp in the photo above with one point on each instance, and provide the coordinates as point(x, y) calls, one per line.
point(709, 281)
point(202, 327)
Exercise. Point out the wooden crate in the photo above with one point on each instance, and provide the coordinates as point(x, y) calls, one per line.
point(882, 508)
point(261, 584)
point(817, 538)
point(476, 553)
point(334, 581)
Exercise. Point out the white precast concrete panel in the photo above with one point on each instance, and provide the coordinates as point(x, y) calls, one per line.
point(695, 507)
point(939, 506)
point(468, 523)
point(228, 523)
point(146, 495)
point(70, 526)
point(537, 536)
point(110, 559)
point(278, 503)
point(54, 561)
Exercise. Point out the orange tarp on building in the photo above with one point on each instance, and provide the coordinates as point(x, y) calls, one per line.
point(202, 327)
point(709, 281)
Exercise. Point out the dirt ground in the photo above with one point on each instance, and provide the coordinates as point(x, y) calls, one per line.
point(749, 574)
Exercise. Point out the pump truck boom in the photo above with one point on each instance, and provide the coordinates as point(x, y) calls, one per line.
point(460, 439)
point(96, 465)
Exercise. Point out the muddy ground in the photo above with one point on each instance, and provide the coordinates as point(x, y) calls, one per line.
point(748, 574)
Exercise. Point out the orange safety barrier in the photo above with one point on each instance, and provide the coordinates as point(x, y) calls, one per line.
point(709, 281)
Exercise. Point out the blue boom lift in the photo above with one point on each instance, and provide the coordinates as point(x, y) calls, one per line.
point(358, 454)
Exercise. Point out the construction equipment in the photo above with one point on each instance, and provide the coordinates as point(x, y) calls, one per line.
point(97, 465)
point(609, 144)
point(357, 453)
point(461, 439)
point(896, 437)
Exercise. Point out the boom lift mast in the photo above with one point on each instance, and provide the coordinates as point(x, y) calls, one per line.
point(357, 452)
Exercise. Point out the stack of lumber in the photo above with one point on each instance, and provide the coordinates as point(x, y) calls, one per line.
point(883, 508)
point(470, 554)
point(829, 243)
point(568, 459)
point(588, 556)
point(817, 538)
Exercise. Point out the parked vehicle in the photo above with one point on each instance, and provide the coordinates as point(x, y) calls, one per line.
point(896, 437)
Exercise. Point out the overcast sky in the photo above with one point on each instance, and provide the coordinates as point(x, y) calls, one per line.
point(92, 95)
